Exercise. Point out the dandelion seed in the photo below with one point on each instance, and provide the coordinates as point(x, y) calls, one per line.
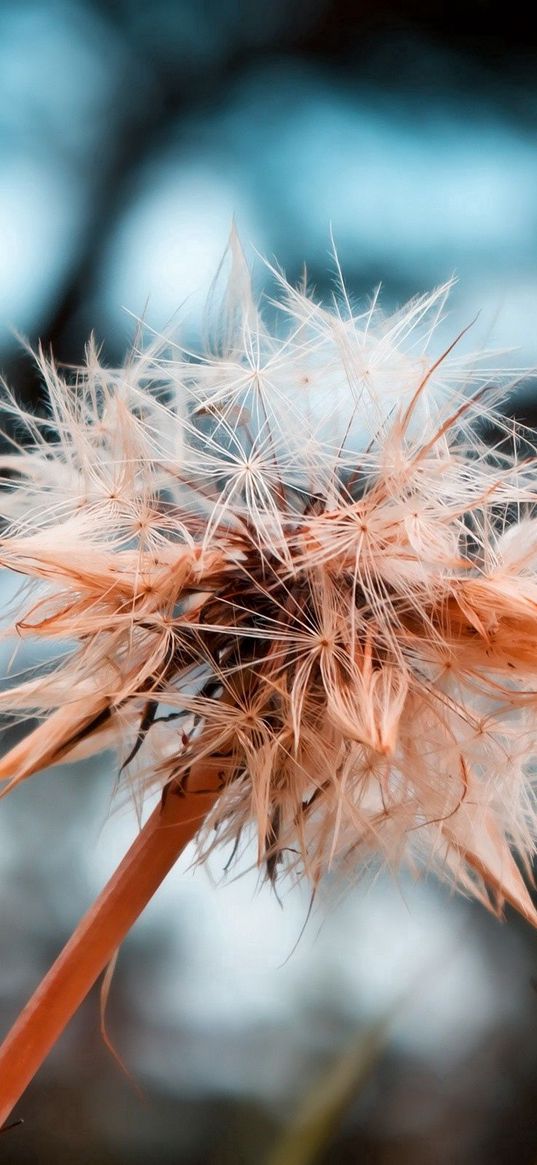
point(295, 589)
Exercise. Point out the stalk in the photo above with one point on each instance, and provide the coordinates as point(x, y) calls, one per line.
point(101, 931)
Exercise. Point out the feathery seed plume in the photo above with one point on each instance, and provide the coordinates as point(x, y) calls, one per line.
point(291, 584)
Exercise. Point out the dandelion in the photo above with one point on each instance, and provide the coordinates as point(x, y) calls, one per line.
point(295, 589)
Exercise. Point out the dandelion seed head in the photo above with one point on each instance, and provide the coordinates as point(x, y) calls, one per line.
point(293, 553)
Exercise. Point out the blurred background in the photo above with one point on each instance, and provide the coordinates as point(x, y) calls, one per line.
point(396, 1024)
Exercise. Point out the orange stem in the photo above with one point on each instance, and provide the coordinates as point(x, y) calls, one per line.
point(101, 931)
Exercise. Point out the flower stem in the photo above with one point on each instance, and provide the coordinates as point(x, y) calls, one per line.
point(101, 931)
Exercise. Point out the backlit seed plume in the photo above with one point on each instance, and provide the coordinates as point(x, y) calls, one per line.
point(292, 556)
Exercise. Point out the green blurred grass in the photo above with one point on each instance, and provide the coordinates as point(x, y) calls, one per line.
point(319, 1115)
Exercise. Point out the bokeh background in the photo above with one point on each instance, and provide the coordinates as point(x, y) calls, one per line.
point(401, 1019)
